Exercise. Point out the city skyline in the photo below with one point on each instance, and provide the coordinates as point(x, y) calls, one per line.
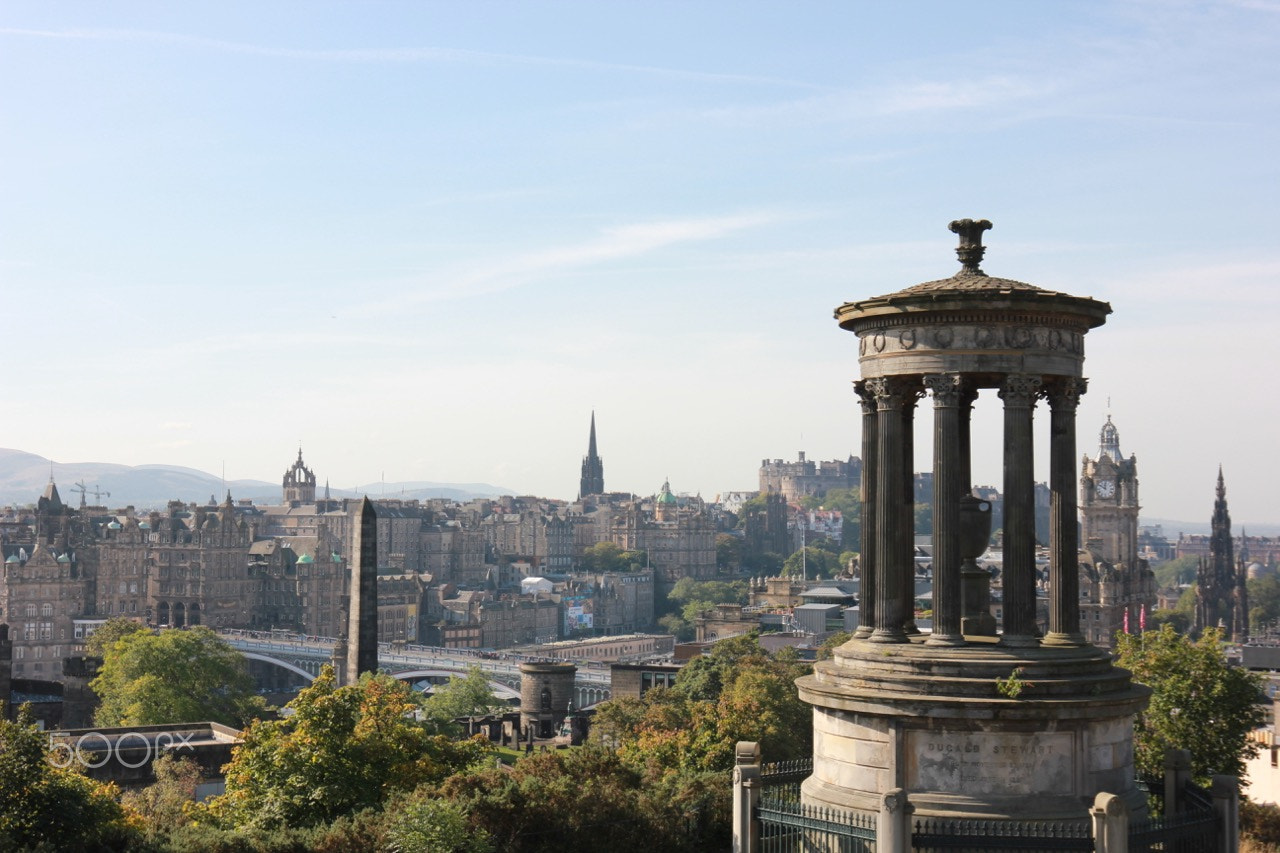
point(431, 239)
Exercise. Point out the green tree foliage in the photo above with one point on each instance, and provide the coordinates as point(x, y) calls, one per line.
point(467, 695)
point(342, 749)
point(46, 807)
point(425, 824)
point(108, 632)
point(1264, 602)
point(174, 677)
point(164, 803)
point(827, 650)
point(689, 597)
point(608, 557)
point(738, 692)
point(924, 519)
point(813, 562)
point(589, 799)
point(1198, 702)
point(1176, 572)
point(728, 552)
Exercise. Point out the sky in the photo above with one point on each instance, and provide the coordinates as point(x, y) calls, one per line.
point(426, 240)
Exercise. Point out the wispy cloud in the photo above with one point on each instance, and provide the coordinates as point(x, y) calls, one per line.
point(625, 241)
point(405, 55)
point(174, 426)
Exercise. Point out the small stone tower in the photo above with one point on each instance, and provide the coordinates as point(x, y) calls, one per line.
point(546, 691)
point(1217, 578)
point(592, 482)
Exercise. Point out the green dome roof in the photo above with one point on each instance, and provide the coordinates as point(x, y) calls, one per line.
point(306, 558)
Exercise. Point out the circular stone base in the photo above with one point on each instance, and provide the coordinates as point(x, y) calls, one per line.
point(977, 731)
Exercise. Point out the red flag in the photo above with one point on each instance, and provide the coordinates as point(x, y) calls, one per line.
point(1126, 620)
point(1142, 618)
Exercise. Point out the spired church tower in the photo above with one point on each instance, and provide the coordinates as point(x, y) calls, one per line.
point(299, 484)
point(592, 482)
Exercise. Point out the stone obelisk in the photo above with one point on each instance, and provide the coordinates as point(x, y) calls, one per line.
point(362, 611)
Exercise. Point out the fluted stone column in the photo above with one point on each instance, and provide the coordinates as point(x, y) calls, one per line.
point(947, 489)
point(867, 557)
point(1064, 539)
point(892, 548)
point(1019, 393)
point(907, 588)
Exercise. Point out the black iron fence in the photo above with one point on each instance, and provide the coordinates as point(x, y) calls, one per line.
point(1194, 829)
point(789, 826)
point(975, 836)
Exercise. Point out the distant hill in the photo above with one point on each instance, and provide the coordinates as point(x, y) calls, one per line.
point(23, 477)
point(1173, 528)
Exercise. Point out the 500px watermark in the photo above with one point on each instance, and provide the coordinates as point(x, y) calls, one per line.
point(131, 749)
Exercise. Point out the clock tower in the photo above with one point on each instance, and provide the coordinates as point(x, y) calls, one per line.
point(1109, 501)
point(1117, 588)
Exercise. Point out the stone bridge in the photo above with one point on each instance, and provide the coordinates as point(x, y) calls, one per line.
point(303, 656)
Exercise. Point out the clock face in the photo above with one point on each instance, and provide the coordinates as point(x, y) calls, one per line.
point(1106, 488)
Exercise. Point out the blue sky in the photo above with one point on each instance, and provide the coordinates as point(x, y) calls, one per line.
point(428, 239)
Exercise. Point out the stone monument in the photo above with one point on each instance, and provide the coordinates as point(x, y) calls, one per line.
point(358, 652)
point(969, 721)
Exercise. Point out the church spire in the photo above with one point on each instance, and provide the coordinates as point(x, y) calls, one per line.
point(592, 481)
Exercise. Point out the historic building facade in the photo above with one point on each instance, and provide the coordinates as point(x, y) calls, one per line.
point(1118, 590)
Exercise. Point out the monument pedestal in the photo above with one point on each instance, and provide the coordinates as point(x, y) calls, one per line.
point(979, 731)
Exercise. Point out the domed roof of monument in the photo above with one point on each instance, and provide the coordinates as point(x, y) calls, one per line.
point(969, 290)
point(970, 275)
point(665, 496)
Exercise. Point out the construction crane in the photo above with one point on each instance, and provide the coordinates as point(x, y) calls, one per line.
point(97, 493)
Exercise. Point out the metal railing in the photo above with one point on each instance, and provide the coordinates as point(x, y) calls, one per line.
point(787, 825)
point(976, 836)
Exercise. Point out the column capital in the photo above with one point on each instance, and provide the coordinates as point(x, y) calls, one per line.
point(866, 397)
point(948, 389)
point(1064, 393)
point(1020, 390)
point(893, 392)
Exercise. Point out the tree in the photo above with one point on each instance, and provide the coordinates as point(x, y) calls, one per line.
point(47, 807)
point(174, 676)
point(106, 635)
point(608, 557)
point(589, 799)
point(426, 824)
point(827, 650)
point(738, 692)
point(467, 695)
point(1176, 572)
point(1198, 702)
point(1264, 600)
point(164, 803)
point(812, 562)
point(728, 552)
point(342, 749)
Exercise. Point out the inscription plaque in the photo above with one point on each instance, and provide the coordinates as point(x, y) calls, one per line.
point(988, 764)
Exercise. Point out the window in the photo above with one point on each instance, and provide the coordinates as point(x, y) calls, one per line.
point(31, 611)
point(46, 610)
point(133, 588)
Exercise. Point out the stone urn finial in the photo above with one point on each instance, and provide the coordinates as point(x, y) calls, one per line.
point(970, 250)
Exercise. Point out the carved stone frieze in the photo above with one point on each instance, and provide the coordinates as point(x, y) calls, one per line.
point(1022, 337)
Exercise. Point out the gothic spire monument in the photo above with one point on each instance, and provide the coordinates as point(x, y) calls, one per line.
point(1220, 585)
point(592, 481)
point(1029, 723)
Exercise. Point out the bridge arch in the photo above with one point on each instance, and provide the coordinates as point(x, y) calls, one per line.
point(280, 663)
point(502, 691)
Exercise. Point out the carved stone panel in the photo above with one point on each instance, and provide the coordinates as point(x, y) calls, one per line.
point(982, 764)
